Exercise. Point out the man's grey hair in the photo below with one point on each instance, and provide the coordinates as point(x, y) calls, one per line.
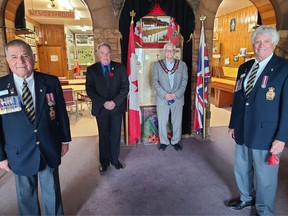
point(267, 30)
point(104, 44)
point(169, 44)
point(18, 42)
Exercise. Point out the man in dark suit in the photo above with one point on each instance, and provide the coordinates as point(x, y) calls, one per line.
point(107, 86)
point(32, 144)
point(259, 123)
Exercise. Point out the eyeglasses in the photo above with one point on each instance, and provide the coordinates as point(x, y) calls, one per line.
point(169, 51)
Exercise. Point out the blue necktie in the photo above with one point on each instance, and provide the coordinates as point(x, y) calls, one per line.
point(106, 75)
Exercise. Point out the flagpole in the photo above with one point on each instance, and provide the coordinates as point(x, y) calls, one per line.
point(202, 19)
point(132, 15)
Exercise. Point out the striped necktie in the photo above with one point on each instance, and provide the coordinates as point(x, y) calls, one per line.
point(28, 102)
point(251, 80)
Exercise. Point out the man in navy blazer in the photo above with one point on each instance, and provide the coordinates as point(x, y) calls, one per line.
point(32, 149)
point(107, 86)
point(259, 123)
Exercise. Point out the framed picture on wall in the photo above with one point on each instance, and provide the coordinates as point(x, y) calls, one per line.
point(251, 27)
point(216, 47)
point(159, 29)
point(233, 25)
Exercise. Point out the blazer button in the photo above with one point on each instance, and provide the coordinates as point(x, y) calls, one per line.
point(247, 104)
point(38, 142)
point(35, 131)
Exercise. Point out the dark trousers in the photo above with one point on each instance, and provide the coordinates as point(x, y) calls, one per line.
point(109, 128)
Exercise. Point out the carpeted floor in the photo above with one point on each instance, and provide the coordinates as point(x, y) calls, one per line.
point(196, 181)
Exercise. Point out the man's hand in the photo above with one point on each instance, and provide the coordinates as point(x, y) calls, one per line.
point(277, 147)
point(4, 165)
point(64, 149)
point(231, 133)
point(110, 105)
point(170, 96)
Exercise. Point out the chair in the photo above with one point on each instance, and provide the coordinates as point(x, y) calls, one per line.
point(70, 101)
point(83, 98)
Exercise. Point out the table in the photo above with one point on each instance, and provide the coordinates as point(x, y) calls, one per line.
point(75, 87)
point(76, 81)
point(223, 91)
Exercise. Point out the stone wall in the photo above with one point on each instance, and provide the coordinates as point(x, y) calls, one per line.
point(112, 37)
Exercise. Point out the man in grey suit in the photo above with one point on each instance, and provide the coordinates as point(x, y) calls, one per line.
point(170, 79)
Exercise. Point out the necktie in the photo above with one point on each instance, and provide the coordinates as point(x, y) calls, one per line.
point(106, 74)
point(251, 80)
point(28, 102)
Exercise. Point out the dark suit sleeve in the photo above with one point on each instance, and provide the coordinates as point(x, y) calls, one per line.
point(124, 88)
point(62, 118)
point(236, 101)
point(282, 132)
point(3, 155)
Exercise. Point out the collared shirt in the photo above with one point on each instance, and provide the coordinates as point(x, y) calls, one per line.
point(19, 86)
point(262, 66)
point(103, 68)
point(169, 66)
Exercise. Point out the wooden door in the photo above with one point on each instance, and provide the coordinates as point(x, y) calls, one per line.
point(51, 60)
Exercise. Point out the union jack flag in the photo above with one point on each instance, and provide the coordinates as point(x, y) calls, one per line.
point(203, 76)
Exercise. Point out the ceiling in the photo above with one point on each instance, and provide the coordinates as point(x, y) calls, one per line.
point(228, 6)
point(85, 18)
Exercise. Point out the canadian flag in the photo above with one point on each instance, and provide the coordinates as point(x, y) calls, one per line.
point(172, 32)
point(76, 62)
point(134, 110)
point(138, 34)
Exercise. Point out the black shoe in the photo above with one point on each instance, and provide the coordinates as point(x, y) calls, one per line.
point(103, 169)
point(162, 147)
point(177, 147)
point(239, 205)
point(118, 166)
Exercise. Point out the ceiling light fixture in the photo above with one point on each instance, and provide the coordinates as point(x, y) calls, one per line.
point(51, 5)
point(83, 28)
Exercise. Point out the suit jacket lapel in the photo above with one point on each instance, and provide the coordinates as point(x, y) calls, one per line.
point(268, 70)
point(40, 94)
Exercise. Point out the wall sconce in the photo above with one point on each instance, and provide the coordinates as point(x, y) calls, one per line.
point(236, 58)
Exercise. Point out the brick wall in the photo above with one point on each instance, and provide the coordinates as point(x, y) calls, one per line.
point(112, 37)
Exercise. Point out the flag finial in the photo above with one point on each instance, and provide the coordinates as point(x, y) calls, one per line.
point(132, 14)
point(202, 19)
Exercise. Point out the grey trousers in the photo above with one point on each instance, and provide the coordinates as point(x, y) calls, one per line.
point(176, 121)
point(27, 193)
point(250, 165)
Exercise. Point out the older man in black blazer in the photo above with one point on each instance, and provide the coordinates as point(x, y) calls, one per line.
point(259, 122)
point(32, 147)
point(107, 85)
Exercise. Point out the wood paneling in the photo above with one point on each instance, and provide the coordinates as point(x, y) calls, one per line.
point(266, 11)
point(232, 41)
